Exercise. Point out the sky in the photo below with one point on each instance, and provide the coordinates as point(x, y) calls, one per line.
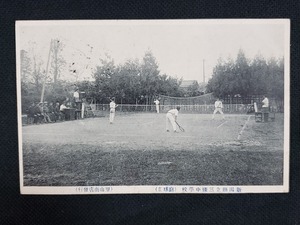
point(181, 47)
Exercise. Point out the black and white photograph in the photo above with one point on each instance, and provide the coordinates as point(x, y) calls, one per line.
point(191, 106)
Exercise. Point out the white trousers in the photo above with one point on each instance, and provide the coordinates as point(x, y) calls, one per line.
point(112, 115)
point(157, 108)
point(218, 110)
point(170, 119)
point(82, 110)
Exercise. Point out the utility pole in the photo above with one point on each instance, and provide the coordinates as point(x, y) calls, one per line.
point(203, 71)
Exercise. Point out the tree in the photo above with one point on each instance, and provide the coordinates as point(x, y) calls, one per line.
point(275, 78)
point(149, 76)
point(220, 81)
point(31, 77)
point(169, 86)
point(104, 84)
point(193, 90)
point(129, 81)
point(133, 82)
point(25, 66)
point(258, 80)
point(37, 73)
point(25, 72)
point(243, 77)
point(57, 62)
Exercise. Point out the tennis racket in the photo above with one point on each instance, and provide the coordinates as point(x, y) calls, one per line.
point(180, 127)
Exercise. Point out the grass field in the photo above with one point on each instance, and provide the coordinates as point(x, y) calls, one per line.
point(136, 150)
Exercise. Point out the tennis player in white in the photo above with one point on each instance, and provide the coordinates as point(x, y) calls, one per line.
point(265, 108)
point(112, 106)
point(218, 108)
point(157, 105)
point(171, 117)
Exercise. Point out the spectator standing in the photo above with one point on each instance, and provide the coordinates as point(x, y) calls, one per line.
point(112, 106)
point(157, 105)
point(265, 108)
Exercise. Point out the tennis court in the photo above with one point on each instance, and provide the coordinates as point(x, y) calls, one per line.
point(141, 129)
point(137, 150)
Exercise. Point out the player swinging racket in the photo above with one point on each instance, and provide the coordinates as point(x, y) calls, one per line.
point(218, 108)
point(112, 106)
point(171, 117)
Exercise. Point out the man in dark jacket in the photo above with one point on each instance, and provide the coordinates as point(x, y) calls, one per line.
point(30, 114)
point(51, 112)
point(38, 113)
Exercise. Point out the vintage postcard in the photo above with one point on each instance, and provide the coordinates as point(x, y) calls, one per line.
point(153, 106)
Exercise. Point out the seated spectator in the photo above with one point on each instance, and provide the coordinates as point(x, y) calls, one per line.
point(51, 112)
point(38, 111)
point(88, 110)
point(250, 109)
point(57, 111)
point(30, 114)
point(69, 105)
point(46, 113)
point(62, 110)
point(41, 112)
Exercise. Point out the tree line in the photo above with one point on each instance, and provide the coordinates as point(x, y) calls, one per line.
point(244, 77)
point(140, 81)
point(33, 75)
point(133, 82)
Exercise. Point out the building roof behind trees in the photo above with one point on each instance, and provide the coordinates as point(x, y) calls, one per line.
point(187, 83)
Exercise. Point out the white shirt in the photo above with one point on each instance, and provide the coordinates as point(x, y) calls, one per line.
point(265, 102)
point(174, 112)
point(76, 94)
point(62, 107)
point(156, 102)
point(218, 104)
point(112, 105)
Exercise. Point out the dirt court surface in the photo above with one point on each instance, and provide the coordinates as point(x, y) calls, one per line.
point(137, 150)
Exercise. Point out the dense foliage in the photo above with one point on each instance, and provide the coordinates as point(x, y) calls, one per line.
point(140, 81)
point(133, 82)
point(244, 77)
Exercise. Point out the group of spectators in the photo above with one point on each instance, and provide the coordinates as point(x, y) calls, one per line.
point(43, 112)
point(46, 113)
